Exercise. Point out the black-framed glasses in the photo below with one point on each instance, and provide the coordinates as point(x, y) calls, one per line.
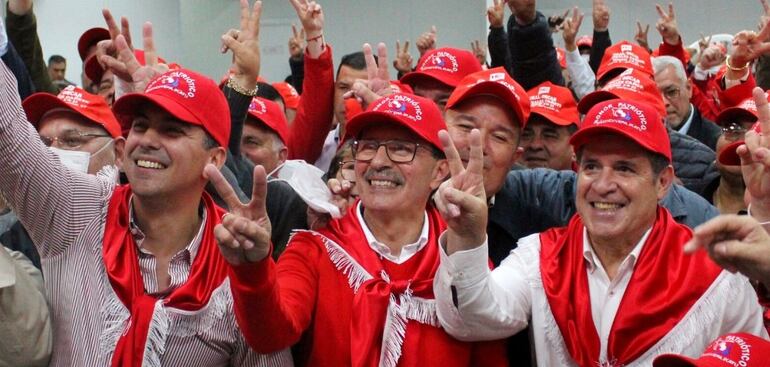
point(734, 131)
point(671, 93)
point(398, 151)
point(347, 171)
point(72, 139)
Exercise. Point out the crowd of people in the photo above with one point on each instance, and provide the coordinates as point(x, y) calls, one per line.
point(605, 204)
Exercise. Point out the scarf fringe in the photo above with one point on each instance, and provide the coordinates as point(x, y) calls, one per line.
point(116, 322)
point(394, 332)
point(156, 336)
point(421, 310)
point(190, 323)
point(345, 263)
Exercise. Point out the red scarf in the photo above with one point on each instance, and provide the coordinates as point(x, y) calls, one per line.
point(121, 260)
point(655, 300)
point(370, 303)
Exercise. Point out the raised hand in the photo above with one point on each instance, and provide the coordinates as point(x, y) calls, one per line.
point(765, 17)
point(601, 15)
point(244, 234)
point(736, 243)
point(127, 68)
point(711, 56)
point(570, 29)
point(641, 35)
point(427, 41)
point(461, 200)
point(403, 60)
point(312, 17)
point(244, 43)
point(480, 51)
point(755, 161)
point(666, 25)
point(496, 13)
point(747, 46)
point(296, 43)
point(112, 26)
point(377, 84)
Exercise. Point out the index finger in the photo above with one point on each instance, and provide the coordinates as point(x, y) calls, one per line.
point(294, 30)
point(661, 12)
point(765, 6)
point(297, 6)
point(763, 109)
point(111, 25)
point(150, 55)
point(671, 10)
point(450, 151)
point(371, 64)
point(223, 188)
point(244, 14)
point(723, 227)
point(638, 26)
point(764, 33)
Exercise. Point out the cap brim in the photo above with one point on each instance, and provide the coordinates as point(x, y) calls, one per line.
point(89, 38)
point(554, 117)
point(735, 114)
point(93, 69)
point(371, 118)
point(673, 360)
point(729, 155)
point(494, 89)
point(592, 99)
point(36, 105)
point(126, 107)
point(416, 76)
point(583, 136)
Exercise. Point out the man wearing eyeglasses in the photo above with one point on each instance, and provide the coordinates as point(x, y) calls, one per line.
point(360, 291)
point(78, 127)
point(681, 115)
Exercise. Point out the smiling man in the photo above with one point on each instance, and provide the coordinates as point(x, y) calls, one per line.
point(554, 119)
point(586, 288)
point(359, 291)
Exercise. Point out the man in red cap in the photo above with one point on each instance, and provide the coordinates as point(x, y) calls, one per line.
point(586, 288)
point(554, 118)
point(78, 126)
point(153, 288)
point(439, 72)
point(620, 57)
point(359, 291)
point(265, 134)
point(739, 349)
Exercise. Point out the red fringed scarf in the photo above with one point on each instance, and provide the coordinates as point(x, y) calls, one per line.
point(663, 287)
point(121, 261)
point(372, 300)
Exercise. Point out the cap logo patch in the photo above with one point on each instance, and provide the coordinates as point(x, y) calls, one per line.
point(622, 114)
point(72, 97)
point(544, 90)
point(496, 76)
point(257, 107)
point(400, 105)
point(441, 60)
point(730, 349)
point(626, 56)
point(626, 82)
point(175, 81)
point(625, 48)
point(545, 101)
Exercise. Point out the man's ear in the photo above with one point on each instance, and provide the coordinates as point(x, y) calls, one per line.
point(283, 155)
point(119, 146)
point(440, 173)
point(664, 182)
point(218, 156)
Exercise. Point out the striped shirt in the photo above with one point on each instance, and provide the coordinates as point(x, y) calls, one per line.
point(65, 212)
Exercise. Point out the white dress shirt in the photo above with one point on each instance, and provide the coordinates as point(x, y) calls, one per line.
point(494, 304)
point(384, 251)
point(583, 78)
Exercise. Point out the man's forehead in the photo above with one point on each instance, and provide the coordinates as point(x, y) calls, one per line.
point(613, 145)
point(66, 119)
point(470, 109)
point(349, 75)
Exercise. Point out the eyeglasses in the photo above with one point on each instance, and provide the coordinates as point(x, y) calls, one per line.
point(734, 131)
point(347, 172)
point(72, 139)
point(671, 93)
point(398, 151)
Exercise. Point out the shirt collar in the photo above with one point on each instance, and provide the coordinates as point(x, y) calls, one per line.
point(686, 126)
point(191, 250)
point(383, 249)
point(592, 260)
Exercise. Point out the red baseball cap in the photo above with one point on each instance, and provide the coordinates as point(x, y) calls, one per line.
point(561, 57)
point(554, 103)
point(446, 65)
point(495, 82)
point(288, 93)
point(729, 155)
point(746, 111)
point(186, 95)
point(418, 114)
point(739, 349)
point(75, 99)
point(637, 121)
point(90, 38)
point(271, 115)
point(399, 87)
point(585, 41)
point(625, 55)
point(632, 85)
point(94, 70)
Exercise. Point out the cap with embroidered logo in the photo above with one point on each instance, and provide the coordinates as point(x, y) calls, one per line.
point(446, 65)
point(271, 116)
point(731, 350)
point(625, 55)
point(72, 98)
point(631, 85)
point(495, 82)
point(554, 103)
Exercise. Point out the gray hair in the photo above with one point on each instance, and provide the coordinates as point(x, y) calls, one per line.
point(277, 142)
point(660, 63)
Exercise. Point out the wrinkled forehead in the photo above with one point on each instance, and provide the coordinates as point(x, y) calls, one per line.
point(610, 147)
point(63, 120)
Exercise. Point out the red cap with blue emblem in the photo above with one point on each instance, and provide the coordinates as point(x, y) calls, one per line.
point(446, 65)
point(739, 349)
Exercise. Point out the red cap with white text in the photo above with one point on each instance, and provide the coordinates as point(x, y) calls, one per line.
point(495, 82)
point(72, 98)
point(446, 65)
point(554, 103)
point(625, 55)
point(731, 350)
point(271, 115)
point(631, 85)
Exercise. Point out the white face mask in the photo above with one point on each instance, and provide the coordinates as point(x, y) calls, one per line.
point(76, 160)
point(307, 181)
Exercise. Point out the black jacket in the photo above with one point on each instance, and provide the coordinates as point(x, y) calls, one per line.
point(706, 131)
point(694, 162)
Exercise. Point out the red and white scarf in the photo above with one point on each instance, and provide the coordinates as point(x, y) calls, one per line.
point(381, 307)
point(144, 334)
point(653, 303)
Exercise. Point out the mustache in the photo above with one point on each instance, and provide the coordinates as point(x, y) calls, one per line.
point(384, 174)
